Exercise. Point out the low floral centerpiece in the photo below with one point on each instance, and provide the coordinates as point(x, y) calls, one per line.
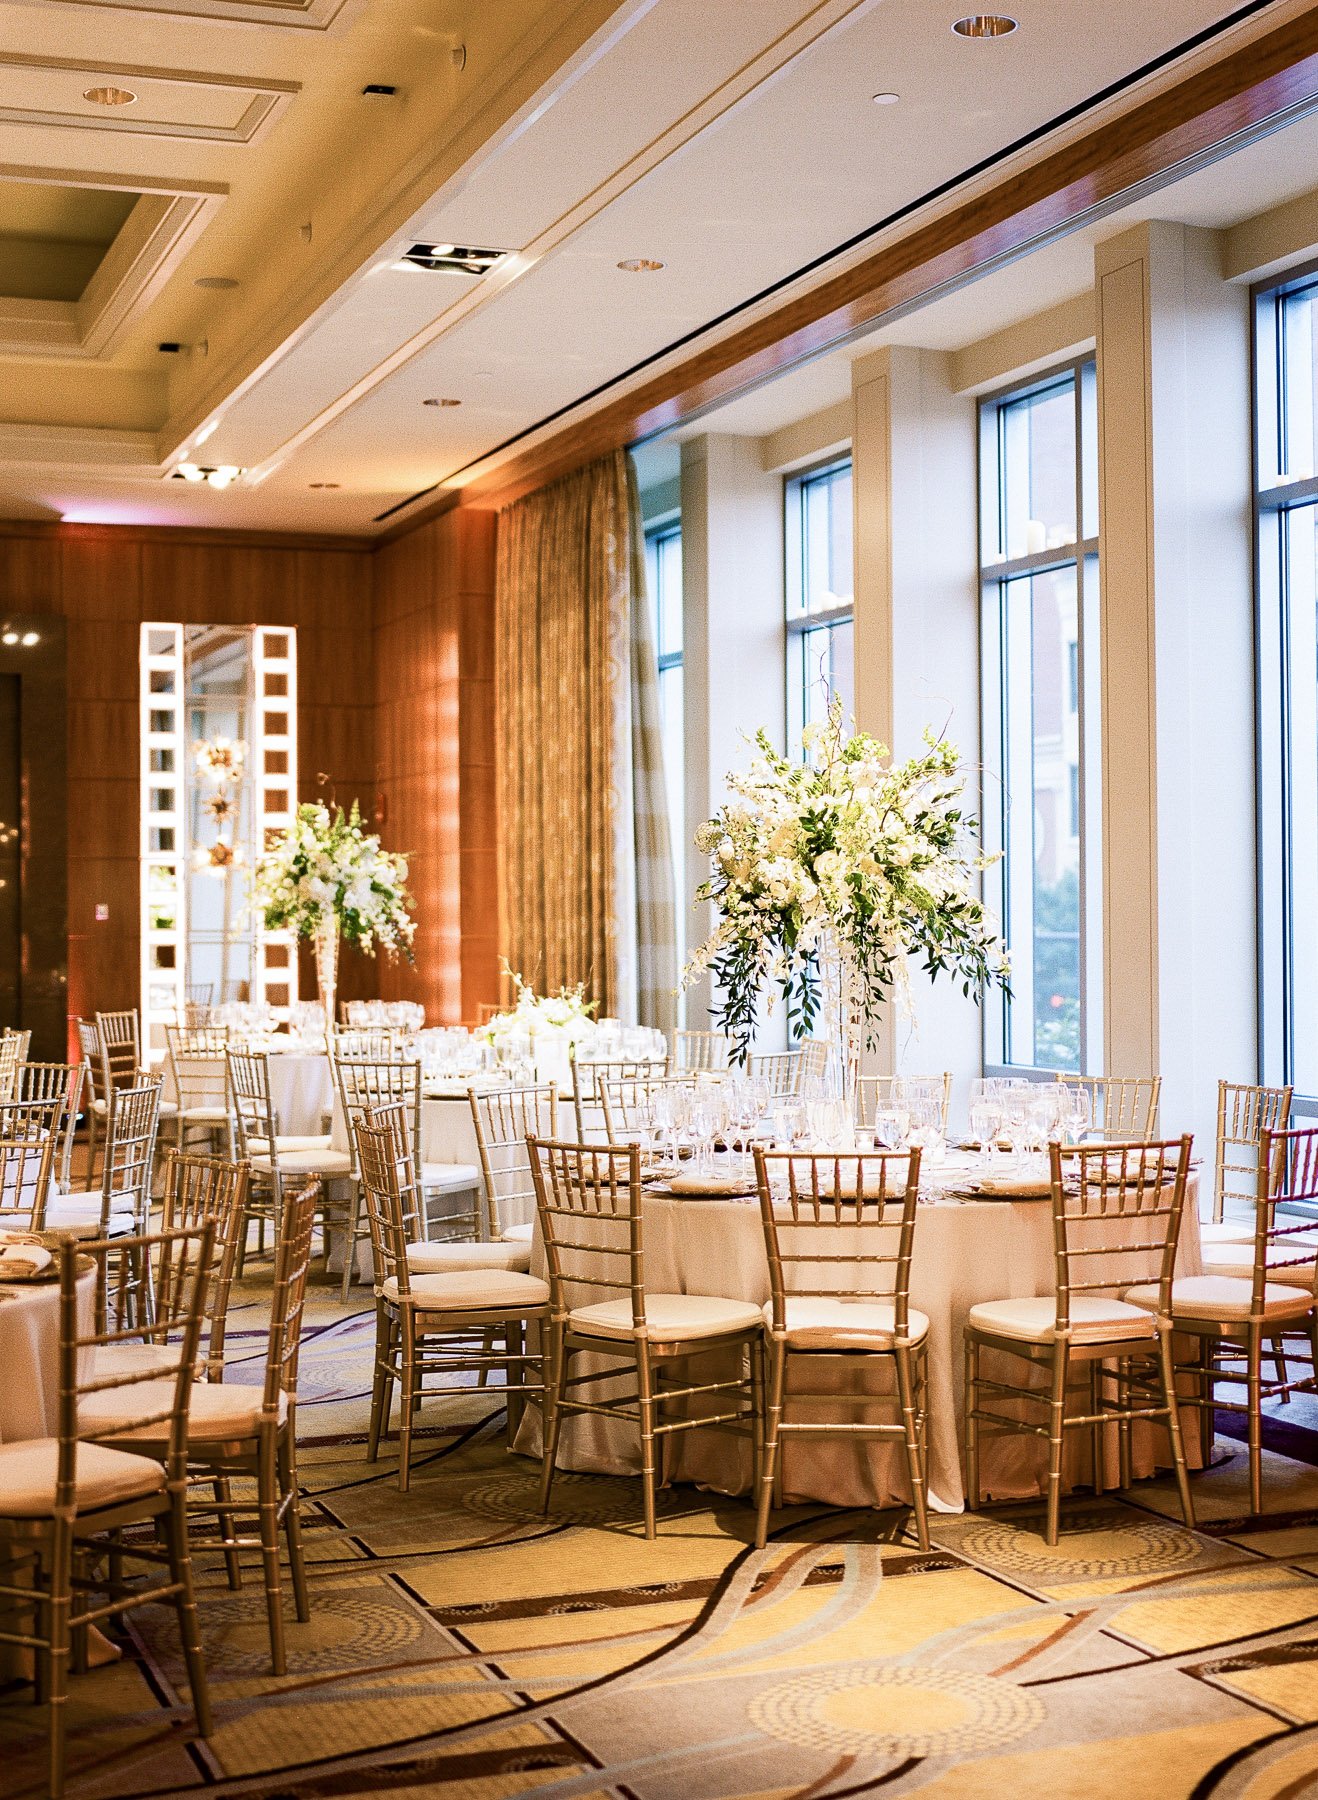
point(327, 878)
point(828, 874)
point(547, 1028)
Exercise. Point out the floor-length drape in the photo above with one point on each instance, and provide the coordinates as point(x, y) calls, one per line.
point(656, 901)
point(571, 883)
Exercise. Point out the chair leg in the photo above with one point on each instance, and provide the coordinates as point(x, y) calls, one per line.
point(407, 1387)
point(1254, 1397)
point(911, 1431)
point(555, 1380)
point(769, 1474)
point(1056, 1438)
point(1174, 1425)
point(514, 1344)
point(972, 1423)
point(382, 1386)
point(648, 1411)
point(755, 1351)
point(1096, 1429)
point(1125, 1472)
point(487, 1349)
point(56, 1657)
point(185, 1604)
point(352, 1222)
point(292, 1502)
point(267, 1511)
point(228, 1527)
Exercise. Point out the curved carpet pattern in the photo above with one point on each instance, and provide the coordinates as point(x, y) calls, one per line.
point(463, 1647)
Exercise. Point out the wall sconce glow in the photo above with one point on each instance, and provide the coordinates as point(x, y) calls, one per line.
point(10, 637)
point(30, 638)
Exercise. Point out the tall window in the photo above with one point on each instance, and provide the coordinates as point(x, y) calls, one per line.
point(663, 570)
point(1039, 585)
point(1286, 475)
point(819, 596)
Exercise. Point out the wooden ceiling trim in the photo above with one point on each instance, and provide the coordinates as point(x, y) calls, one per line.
point(1261, 81)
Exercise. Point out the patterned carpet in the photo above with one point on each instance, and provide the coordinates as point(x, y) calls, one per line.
point(461, 1646)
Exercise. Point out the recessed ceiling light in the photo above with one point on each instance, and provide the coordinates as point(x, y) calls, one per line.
point(217, 478)
point(444, 402)
point(109, 96)
point(885, 99)
point(215, 281)
point(322, 484)
point(984, 25)
point(465, 259)
point(641, 265)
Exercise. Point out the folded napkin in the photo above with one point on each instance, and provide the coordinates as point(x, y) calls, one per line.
point(1019, 1187)
point(20, 1261)
point(712, 1184)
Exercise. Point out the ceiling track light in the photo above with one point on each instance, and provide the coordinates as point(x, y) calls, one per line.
point(640, 265)
point(464, 259)
point(985, 25)
point(222, 476)
point(109, 96)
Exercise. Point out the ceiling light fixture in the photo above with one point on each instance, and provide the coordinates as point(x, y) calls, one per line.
point(443, 402)
point(218, 282)
point(641, 265)
point(322, 484)
point(464, 259)
point(10, 637)
point(109, 96)
point(985, 25)
point(220, 477)
point(30, 638)
point(885, 99)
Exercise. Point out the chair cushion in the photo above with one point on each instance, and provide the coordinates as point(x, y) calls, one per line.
point(1286, 1261)
point(218, 1411)
point(168, 1109)
point(670, 1317)
point(1226, 1231)
point(449, 1178)
point(1034, 1321)
point(1223, 1297)
point(518, 1234)
point(130, 1359)
point(320, 1141)
point(28, 1471)
point(822, 1323)
point(81, 1213)
point(438, 1259)
point(458, 1290)
point(205, 1115)
point(307, 1162)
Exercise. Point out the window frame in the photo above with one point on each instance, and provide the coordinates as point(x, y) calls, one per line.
point(798, 621)
point(995, 578)
point(1275, 495)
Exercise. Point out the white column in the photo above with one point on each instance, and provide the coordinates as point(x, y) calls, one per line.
point(1177, 655)
point(733, 641)
point(917, 622)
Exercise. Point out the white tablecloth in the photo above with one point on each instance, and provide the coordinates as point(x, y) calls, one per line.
point(29, 1354)
point(301, 1087)
point(965, 1253)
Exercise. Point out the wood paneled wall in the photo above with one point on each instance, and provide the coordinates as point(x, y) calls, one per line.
point(434, 686)
point(105, 580)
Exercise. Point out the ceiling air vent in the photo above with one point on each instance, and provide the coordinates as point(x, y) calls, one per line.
point(463, 258)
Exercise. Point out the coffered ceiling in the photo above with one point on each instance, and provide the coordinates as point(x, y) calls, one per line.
point(209, 270)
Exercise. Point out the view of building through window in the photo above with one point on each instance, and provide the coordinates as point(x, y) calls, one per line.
point(819, 596)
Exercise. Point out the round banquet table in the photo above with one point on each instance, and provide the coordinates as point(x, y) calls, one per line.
point(301, 1089)
point(965, 1252)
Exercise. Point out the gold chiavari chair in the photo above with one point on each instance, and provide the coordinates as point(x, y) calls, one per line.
point(708, 1050)
point(9, 1060)
point(589, 1202)
point(236, 1430)
point(873, 1092)
point(46, 1081)
point(586, 1078)
point(447, 1324)
point(781, 1069)
point(278, 1160)
point(1115, 1206)
point(120, 1209)
point(1243, 1115)
point(196, 1061)
point(70, 1504)
point(624, 1097)
point(1271, 1297)
point(26, 1160)
point(1125, 1107)
point(121, 1054)
point(93, 1064)
point(505, 1118)
point(838, 1232)
point(814, 1060)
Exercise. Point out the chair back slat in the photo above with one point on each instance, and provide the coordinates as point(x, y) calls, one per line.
point(130, 1148)
point(196, 1059)
point(200, 1189)
point(1244, 1113)
point(26, 1162)
point(623, 1097)
point(707, 1050)
point(121, 1047)
point(374, 1043)
point(288, 1304)
point(388, 1188)
point(874, 1093)
point(62, 1082)
point(587, 1077)
point(251, 1101)
point(1116, 1206)
point(504, 1119)
point(369, 1081)
point(1286, 1178)
point(1125, 1107)
point(588, 1200)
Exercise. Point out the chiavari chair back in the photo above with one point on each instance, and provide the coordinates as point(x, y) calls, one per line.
point(367, 1081)
point(504, 1119)
point(1112, 1204)
point(201, 1082)
point(875, 1092)
point(100, 1491)
point(10, 1044)
point(1243, 1115)
point(374, 1043)
point(1125, 1107)
point(26, 1161)
point(701, 1050)
point(628, 1101)
point(587, 1076)
point(121, 1047)
point(199, 1189)
point(62, 1082)
point(780, 1069)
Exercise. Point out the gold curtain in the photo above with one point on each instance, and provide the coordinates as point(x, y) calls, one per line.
point(585, 876)
point(563, 652)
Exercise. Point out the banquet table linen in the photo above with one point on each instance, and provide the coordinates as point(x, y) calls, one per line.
point(966, 1252)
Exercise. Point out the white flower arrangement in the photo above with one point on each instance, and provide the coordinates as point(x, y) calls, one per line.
point(325, 870)
point(566, 1015)
point(846, 859)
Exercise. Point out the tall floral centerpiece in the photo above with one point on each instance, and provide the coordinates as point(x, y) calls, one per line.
point(827, 875)
point(326, 878)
